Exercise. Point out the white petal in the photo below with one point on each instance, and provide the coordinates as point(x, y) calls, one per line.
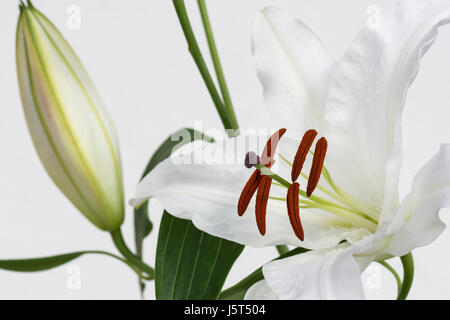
point(293, 68)
point(320, 274)
point(417, 222)
point(260, 291)
point(207, 193)
point(367, 96)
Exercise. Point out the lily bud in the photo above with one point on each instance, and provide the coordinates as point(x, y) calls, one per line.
point(70, 128)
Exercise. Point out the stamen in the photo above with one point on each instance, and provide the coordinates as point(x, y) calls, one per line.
point(248, 192)
point(302, 152)
point(317, 164)
point(349, 215)
point(261, 203)
point(251, 159)
point(271, 145)
point(294, 210)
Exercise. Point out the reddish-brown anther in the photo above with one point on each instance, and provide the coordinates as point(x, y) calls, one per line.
point(248, 192)
point(261, 203)
point(302, 152)
point(271, 146)
point(317, 164)
point(294, 210)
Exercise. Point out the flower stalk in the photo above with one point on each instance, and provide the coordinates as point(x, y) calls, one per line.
point(216, 62)
point(225, 112)
point(130, 257)
point(408, 275)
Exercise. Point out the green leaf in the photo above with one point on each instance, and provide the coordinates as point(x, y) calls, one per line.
point(39, 264)
point(46, 263)
point(191, 264)
point(142, 224)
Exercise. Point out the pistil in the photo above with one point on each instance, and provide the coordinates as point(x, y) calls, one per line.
point(262, 178)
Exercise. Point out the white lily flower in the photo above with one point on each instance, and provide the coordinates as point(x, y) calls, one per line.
point(356, 103)
point(72, 133)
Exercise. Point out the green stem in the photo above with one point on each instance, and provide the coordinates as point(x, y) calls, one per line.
point(282, 249)
point(237, 292)
point(217, 65)
point(408, 275)
point(130, 256)
point(394, 273)
point(140, 275)
point(194, 49)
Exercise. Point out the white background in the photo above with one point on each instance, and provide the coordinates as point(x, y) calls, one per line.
point(137, 56)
